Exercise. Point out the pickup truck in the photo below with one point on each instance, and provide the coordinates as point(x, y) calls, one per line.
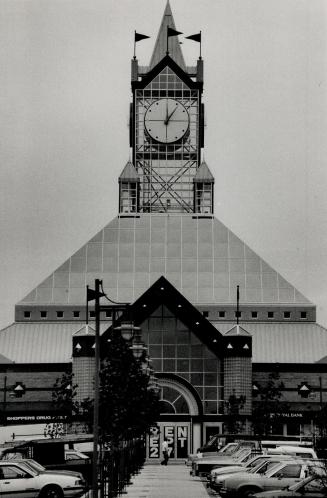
point(282, 475)
point(52, 454)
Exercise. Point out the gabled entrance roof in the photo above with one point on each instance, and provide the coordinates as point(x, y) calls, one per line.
point(163, 292)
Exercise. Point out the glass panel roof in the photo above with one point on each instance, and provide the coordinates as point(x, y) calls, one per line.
point(200, 256)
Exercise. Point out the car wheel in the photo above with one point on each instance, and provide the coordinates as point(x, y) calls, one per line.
point(248, 492)
point(52, 492)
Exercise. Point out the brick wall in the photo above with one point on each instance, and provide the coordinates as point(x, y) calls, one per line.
point(238, 380)
point(83, 370)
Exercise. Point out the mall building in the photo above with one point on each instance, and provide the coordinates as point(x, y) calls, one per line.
point(168, 255)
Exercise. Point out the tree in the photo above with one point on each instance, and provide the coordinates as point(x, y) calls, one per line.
point(234, 424)
point(266, 413)
point(128, 406)
point(66, 408)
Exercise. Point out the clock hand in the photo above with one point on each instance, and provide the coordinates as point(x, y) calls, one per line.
point(170, 115)
point(167, 119)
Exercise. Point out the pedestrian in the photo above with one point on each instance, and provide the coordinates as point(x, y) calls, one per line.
point(165, 452)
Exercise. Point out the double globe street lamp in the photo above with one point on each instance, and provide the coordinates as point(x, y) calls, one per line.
point(132, 335)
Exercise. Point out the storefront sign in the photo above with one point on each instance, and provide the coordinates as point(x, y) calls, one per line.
point(182, 440)
point(154, 441)
point(177, 437)
point(288, 415)
point(169, 434)
point(33, 419)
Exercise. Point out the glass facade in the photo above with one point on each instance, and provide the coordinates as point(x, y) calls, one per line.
point(128, 197)
point(172, 401)
point(175, 349)
point(166, 170)
point(203, 197)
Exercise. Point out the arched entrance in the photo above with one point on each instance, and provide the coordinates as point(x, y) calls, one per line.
point(178, 407)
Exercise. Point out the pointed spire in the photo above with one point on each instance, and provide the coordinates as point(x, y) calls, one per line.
point(129, 173)
point(160, 47)
point(203, 174)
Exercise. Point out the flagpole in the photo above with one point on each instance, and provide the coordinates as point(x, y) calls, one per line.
point(238, 304)
point(134, 44)
point(200, 44)
point(87, 305)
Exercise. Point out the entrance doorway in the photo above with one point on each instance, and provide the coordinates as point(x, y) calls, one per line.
point(178, 437)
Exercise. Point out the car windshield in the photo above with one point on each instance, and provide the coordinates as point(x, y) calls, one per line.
point(263, 467)
point(29, 467)
point(259, 465)
point(212, 441)
point(241, 453)
point(309, 484)
point(36, 466)
point(272, 468)
point(254, 462)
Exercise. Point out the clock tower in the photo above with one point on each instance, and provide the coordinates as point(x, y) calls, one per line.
point(167, 133)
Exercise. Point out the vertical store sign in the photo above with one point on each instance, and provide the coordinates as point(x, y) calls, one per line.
point(169, 433)
point(154, 442)
point(182, 441)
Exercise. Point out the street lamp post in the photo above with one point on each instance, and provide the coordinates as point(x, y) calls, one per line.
point(128, 332)
point(96, 389)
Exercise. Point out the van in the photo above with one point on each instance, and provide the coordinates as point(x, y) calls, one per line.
point(293, 451)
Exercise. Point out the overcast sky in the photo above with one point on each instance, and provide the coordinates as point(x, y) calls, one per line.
point(64, 100)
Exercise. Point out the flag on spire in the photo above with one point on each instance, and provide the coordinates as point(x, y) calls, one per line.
point(139, 37)
point(172, 32)
point(196, 37)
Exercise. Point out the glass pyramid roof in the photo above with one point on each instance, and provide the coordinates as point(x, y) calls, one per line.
point(200, 256)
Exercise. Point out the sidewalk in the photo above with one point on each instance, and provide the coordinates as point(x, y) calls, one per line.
point(173, 481)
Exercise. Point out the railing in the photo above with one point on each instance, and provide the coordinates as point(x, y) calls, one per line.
point(118, 465)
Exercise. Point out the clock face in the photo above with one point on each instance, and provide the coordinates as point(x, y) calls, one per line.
point(166, 121)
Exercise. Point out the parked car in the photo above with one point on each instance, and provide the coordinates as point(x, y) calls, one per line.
point(203, 466)
point(281, 475)
point(219, 472)
point(258, 465)
point(36, 466)
point(312, 487)
point(16, 453)
point(299, 451)
point(227, 450)
point(17, 480)
point(213, 445)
